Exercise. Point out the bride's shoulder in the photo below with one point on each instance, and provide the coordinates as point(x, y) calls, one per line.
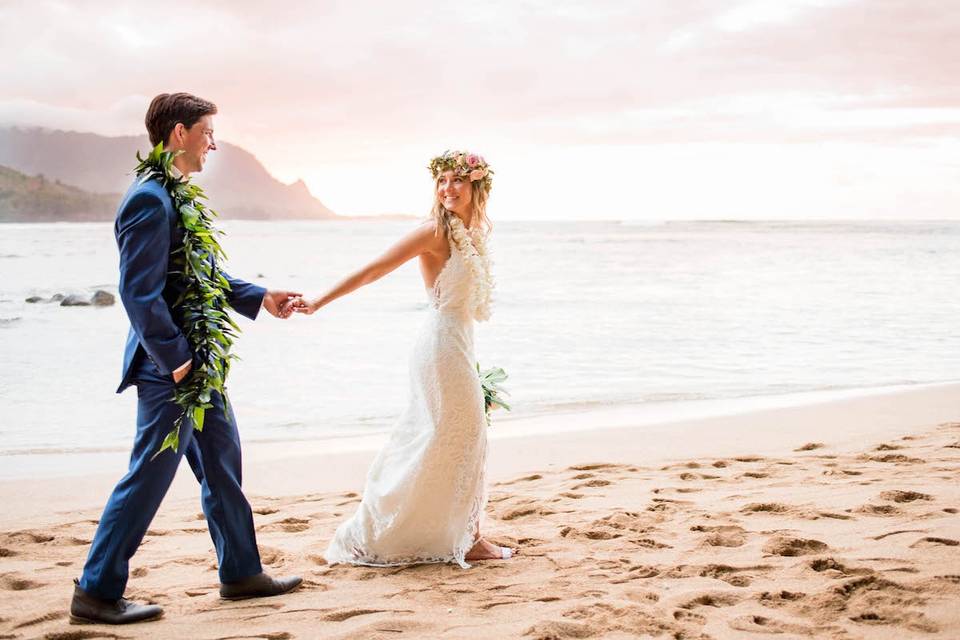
point(432, 237)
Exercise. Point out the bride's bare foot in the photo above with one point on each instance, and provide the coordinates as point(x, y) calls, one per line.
point(484, 550)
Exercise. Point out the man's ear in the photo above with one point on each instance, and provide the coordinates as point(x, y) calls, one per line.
point(178, 133)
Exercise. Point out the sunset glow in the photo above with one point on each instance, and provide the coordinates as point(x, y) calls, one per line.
point(695, 109)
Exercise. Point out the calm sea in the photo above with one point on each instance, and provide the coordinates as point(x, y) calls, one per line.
point(587, 314)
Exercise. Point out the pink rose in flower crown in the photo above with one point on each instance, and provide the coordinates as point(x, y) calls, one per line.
point(476, 174)
point(472, 160)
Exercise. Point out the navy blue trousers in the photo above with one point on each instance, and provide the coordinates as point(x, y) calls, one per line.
point(214, 457)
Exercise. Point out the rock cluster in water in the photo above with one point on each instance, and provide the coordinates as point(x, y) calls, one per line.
point(100, 298)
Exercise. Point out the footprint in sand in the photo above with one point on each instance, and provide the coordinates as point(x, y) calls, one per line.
point(834, 516)
point(265, 511)
point(734, 576)
point(842, 472)
point(914, 620)
point(887, 447)
point(722, 535)
point(764, 507)
point(765, 625)
point(271, 556)
point(530, 478)
point(879, 510)
point(340, 616)
point(934, 542)
point(557, 629)
point(777, 599)
point(596, 482)
point(287, 525)
point(668, 506)
point(47, 617)
point(712, 599)
point(904, 496)
point(683, 615)
point(30, 537)
point(594, 466)
point(789, 547)
point(14, 582)
point(523, 507)
point(697, 476)
point(895, 458)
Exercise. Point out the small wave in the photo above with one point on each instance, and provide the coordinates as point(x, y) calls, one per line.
point(56, 451)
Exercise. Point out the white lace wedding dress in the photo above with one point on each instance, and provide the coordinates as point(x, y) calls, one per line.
point(424, 493)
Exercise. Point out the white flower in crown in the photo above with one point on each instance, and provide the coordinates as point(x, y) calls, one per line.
point(473, 249)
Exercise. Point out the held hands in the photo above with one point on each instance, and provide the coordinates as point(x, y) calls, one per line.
point(280, 304)
point(307, 307)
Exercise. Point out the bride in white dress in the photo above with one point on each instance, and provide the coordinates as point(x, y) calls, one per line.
point(424, 495)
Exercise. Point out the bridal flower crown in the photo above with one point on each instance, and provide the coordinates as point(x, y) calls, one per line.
point(465, 164)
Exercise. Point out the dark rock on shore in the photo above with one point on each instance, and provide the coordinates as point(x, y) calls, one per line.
point(102, 298)
point(57, 297)
point(74, 300)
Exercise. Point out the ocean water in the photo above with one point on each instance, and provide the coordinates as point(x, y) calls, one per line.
point(595, 314)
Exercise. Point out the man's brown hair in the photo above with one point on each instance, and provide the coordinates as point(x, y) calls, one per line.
point(167, 109)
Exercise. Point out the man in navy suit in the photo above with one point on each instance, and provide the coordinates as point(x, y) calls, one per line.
point(158, 357)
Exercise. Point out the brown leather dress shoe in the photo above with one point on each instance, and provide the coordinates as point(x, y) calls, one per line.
point(87, 608)
point(258, 586)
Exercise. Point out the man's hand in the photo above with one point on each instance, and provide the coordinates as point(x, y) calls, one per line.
point(181, 372)
point(280, 303)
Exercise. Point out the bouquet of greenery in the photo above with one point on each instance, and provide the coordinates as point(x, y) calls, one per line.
point(490, 380)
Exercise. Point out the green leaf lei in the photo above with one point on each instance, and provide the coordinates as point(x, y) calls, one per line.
point(207, 324)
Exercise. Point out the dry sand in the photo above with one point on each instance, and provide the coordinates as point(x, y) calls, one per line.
point(835, 520)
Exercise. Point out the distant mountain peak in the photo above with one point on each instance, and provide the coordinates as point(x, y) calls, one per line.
point(238, 185)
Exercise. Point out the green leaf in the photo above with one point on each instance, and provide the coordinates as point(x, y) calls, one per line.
point(172, 441)
point(198, 414)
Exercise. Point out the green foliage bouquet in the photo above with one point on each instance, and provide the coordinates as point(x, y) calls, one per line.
point(490, 380)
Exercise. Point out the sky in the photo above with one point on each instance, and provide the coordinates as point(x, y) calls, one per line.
point(601, 109)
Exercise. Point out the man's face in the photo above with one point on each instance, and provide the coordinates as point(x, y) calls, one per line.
point(195, 142)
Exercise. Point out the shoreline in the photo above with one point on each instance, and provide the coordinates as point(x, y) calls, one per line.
point(620, 435)
point(568, 418)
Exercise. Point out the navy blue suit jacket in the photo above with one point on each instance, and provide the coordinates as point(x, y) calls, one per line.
point(147, 233)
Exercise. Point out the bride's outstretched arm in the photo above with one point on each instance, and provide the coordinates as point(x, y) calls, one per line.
point(423, 239)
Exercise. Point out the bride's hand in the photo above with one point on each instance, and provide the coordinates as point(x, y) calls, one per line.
point(305, 306)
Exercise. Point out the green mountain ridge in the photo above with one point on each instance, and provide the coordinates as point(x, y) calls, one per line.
point(26, 198)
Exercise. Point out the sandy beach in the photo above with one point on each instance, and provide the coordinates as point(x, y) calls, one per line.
point(829, 519)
